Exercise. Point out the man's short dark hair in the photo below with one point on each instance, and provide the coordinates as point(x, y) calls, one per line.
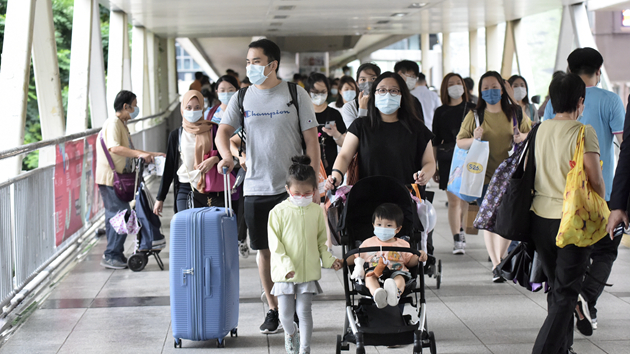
point(123, 97)
point(422, 78)
point(389, 211)
point(407, 67)
point(368, 66)
point(565, 92)
point(198, 75)
point(585, 61)
point(470, 83)
point(269, 48)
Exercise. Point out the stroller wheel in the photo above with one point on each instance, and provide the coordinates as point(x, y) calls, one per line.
point(417, 342)
point(438, 275)
point(137, 262)
point(338, 349)
point(432, 346)
point(360, 347)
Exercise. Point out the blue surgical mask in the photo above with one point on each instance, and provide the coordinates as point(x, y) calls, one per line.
point(192, 116)
point(135, 112)
point(256, 73)
point(387, 103)
point(349, 95)
point(384, 233)
point(491, 96)
point(334, 91)
point(225, 97)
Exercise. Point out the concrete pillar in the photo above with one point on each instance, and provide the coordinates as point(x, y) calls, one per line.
point(163, 75)
point(152, 68)
point(508, 50)
point(172, 69)
point(98, 96)
point(118, 39)
point(78, 87)
point(584, 36)
point(447, 67)
point(565, 40)
point(523, 58)
point(14, 78)
point(473, 47)
point(425, 42)
point(493, 49)
point(139, 70)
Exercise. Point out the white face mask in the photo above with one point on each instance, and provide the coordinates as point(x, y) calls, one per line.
point(318, 98)
point(349, 95)
point(192, 116)
point(411, 82)
point(256, 73)
point(520, 93)
point(387, 103)
point(384, 233)
point(301, 201)
point(455, 91)
point(225, 97)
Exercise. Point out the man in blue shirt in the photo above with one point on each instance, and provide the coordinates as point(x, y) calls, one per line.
point(604, 111)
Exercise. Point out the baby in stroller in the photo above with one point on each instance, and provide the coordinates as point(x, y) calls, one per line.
point(389, 268)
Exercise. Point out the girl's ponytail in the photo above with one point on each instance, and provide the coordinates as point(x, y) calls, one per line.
point(301, 171)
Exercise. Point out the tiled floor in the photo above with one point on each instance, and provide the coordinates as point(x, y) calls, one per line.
point(95, 310)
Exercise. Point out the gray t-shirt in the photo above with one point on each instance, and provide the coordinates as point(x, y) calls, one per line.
point(351, 111)
point(273, 135)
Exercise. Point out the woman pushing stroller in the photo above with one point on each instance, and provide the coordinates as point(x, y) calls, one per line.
point(389, 268)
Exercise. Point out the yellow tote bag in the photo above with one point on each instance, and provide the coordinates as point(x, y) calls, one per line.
point(584, 212)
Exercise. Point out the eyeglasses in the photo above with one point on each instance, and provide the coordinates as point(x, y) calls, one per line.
point(383, 92)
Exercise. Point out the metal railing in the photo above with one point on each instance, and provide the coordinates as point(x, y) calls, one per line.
point(29, 221)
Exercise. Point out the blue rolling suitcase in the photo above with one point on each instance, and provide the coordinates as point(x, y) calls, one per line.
point(204, 275)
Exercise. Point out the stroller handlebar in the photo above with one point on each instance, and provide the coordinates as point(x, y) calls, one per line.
point(387, 248)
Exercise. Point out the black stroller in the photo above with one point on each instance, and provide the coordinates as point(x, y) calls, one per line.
point(364, 323)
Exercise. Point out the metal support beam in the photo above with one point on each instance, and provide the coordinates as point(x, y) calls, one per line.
point(447, 66)
point(473, 48)
point(172, 69)
point(81, 46)
point(565, 41)
point(47, 82)
point(98, 95)
point(14, 78)
point(118, 39)
point(493, 48)
point(163, 74)
point(508, 50)
point(341, 61)
point(195, 50)
point(425, 48)
point(152, 68)
point(523, 59)
point(139, 70)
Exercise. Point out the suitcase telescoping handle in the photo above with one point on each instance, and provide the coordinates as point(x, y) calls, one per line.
point(227, 195)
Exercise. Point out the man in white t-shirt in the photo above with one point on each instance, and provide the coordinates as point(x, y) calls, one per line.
point(417, 84)
point(275, 125)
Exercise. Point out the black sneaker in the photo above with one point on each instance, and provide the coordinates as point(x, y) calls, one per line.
point(496, 276)
point(271, 324)
point(584, 325)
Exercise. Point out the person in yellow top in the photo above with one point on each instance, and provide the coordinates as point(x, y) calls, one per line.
point(497, 115)
point(118, 141)
point(564, 267)
point(297, 241)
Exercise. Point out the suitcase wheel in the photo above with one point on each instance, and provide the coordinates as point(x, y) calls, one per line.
point(177, 343)
point(234, 332)
point(137, 262)
point(220, 343)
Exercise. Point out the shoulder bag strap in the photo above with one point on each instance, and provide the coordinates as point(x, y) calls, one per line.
point(107, 155)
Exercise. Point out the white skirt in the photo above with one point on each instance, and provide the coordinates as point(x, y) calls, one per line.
point(285, 288)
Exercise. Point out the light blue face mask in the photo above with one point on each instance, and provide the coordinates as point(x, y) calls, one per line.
point(491, 96)
point(334, 91)
point(135, 112)
point(384, 233)
point(349, 95)
point(256, 73)
point(225, 97)
point(387, 103)
point(192, 116)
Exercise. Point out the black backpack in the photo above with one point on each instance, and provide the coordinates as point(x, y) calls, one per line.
point(293, 101)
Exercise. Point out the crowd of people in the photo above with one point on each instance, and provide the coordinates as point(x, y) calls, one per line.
point(282, 134)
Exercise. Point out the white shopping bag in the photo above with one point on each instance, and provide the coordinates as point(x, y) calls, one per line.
point(474, 173)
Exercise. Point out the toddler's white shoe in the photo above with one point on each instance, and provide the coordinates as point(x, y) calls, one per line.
point(392, 292)
point(380, 298)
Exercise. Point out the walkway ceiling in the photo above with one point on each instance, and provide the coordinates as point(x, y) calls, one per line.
point(223, 28)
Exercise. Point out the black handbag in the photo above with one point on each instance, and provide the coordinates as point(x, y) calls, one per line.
point(513, 222)
point(444, 152)
point(524, 267)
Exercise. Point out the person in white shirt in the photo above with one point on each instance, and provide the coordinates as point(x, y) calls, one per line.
point(417, 84)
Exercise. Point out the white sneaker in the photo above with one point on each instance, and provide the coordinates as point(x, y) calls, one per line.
point(462, 237)
point(380, 298)
point(594, 322)
point(458, 248)
point(392, 292)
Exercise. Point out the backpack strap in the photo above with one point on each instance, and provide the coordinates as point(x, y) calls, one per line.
point(294, 102)
point(213, 110)
point(241, 99)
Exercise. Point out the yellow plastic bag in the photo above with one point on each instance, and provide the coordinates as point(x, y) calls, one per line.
point(584, 212)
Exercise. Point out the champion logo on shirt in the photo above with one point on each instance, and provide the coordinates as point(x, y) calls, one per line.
point(249, 114)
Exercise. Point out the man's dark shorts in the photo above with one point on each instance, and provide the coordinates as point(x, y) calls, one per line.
point(257, 209)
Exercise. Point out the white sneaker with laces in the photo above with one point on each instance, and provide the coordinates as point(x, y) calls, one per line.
point(392, 292)
point(380, 298)
point(458, 248)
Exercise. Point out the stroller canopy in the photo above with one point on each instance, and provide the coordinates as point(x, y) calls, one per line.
point(364, 197)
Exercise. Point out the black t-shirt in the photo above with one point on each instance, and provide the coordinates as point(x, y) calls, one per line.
point(327, 144)
point(389, 149)
point(446, 122)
